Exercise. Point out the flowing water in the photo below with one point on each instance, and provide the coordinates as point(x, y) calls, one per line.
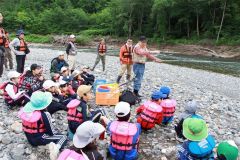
point(219, 65)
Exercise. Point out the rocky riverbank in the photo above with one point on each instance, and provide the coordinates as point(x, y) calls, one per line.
point(217, 95)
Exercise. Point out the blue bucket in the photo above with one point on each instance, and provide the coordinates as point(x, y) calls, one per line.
point(98, 82)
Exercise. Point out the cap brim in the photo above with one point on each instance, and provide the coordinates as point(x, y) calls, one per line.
point(187, 133)
point(81, 142)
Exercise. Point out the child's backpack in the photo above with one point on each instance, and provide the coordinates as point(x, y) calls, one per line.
point(129, 97)
point(68, 154)
point(122, 135)
point(202, 149)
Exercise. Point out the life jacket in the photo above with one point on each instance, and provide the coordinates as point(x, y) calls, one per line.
point(202, 149)
point(102, 48)
point(73, 114)
point(127, 55)
point(7, 98)
point(68, 154)
point(151, 114)
point(2, 37)
point(169, 107)
point(22, 46)
point(6, 45)
point(21, 78)
point(32, 122)
point(122, 135)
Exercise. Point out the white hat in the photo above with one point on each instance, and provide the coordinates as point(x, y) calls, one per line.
point(122, 109)
point(64, 69)
point(86, 133)
point(60, 53)
point(75, 73)
point(72, 36)
point(62, 82)
point(13, 74)
point(48, 84)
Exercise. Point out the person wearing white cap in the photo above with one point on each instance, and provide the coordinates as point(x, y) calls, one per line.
point(12, 95)
point(57, 63)
point(57, 103)
point(124, 135)
point(84, 143)
point(71, 51)
point(77, 80)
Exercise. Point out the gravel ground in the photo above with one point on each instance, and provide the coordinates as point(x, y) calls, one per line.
point(217, 94)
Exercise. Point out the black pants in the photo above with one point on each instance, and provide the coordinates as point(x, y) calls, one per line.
point(56, 106)
point(19, 102)
point(1, 65)
point(20, 63)
point(179, 129)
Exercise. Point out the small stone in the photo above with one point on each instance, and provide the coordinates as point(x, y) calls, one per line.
point(237, 141)
point(16, 127)
point(6, 140)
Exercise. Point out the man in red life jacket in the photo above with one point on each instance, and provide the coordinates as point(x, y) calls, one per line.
point(125, 56)
point(8, 55)
point(101, 54)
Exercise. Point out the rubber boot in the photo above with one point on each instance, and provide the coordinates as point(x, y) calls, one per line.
point(103, 68)
point(118, 79)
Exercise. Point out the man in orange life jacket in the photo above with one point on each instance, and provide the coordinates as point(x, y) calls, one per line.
point(101, 49)
point(20, 49)
point(124, 135)
point(126, 60)
point(8, 55)
point(2, 43)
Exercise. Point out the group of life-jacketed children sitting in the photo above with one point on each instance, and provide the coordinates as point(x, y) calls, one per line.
point(86, 126)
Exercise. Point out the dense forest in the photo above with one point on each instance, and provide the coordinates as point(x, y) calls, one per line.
point(158, 19)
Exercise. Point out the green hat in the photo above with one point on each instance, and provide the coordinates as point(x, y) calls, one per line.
point(38, 101)
point(228, 149)
point(195, 129)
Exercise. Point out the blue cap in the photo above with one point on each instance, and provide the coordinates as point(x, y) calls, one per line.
point(165, 90)
point(156, 95)
point(19, 32)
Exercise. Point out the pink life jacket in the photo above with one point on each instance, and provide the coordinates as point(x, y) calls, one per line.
point(73, 114)
point(68, 154)
point(122, 135)
point(151, 112)
point(7, 98)
point(32, 122)
point(169, 107)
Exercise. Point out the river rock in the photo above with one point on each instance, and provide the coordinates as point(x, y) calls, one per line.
point(16, 127)
point(237, 141)
point(6, 140)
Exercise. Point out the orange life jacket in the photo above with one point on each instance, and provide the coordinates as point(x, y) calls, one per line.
point(102, 48)
point(73, 114)
point(2, 37)
point(32, 122)
point(126, 55)
point(23, 45)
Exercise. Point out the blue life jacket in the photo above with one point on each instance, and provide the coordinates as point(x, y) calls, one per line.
point(126, 154)
point(203, 149)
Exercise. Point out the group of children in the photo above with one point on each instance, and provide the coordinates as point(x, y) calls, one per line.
point(72, 91)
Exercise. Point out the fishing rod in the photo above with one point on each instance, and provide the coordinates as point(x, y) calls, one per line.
point(198, 61)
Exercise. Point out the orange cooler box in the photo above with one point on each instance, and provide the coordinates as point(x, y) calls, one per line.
point(108, 98)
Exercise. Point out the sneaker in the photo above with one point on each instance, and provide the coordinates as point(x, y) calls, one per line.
point(53, 150)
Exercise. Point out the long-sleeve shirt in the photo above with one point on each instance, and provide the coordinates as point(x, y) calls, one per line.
point(57, 64)
point(15, 43)
point(10, 91)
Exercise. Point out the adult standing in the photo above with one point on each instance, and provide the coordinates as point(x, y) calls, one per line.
point(101, 49)
point(8, 55)
point(71, 51)
point(125, 56)
point(140, 56)
point(2, 43)
point(20, 49)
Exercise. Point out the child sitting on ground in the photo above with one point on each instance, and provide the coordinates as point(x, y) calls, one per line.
point(84, 143)
point(37, 124)
point(150, 113)
point(227, 150)
point(88, 78)
point(66, 91)
point(12, 95)
point(199, 144)
point(77, 80)
point(124, 135)
point(65, 73)
point(168, 105)
point(57, 103)
point(190, 112)
point(79, 111)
